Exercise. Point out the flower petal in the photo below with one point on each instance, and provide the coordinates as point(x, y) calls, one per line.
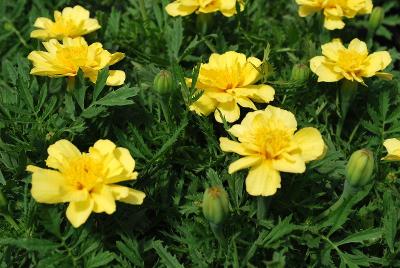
point(228, 145)
point(204, 105)
point(257, 93)
point(243, 163)
point(60, 154)
point(103, 199)
point(229, 110)
point(177, 9)
point(133, 197)
point(393, 148)
point(115, 78)
point(358, 46)
point(263, 180)
point(293, 165)
point(78, 212)
point(310, 142)
point(47, 185)
point(376, 62)
point(331, 49)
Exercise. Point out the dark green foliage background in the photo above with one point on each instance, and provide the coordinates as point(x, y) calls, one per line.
point(179, 157)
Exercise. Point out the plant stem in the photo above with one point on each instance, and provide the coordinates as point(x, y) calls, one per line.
point(71, 84)
point(143, 10)
point(262, 207)
point(217, 231)
point(165, 109)
point(348, 92)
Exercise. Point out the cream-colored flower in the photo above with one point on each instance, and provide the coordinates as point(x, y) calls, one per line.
point(71, 22)
point(352, 63)
point(73, 54)
point(270, 144)
point(187, 7)
point(86, 180)
point(393, 148)
point(228, 81)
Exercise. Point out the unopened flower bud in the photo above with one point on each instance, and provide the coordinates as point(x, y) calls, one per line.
point(359, 168)
point(300, 73)
point(163, 82)
point(376, 18)
point(215, 204)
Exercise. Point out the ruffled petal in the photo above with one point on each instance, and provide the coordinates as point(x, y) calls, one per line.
point(115, 78)
point(61, 153)
point(257, 93)
point(310, 142)
point(263, 180)
point(228, 145)
point(393, 148)
point(103, 199)
point(78, 212)
point(376, 62)
point(243, 163)
point(292, 163)
point(229, 110)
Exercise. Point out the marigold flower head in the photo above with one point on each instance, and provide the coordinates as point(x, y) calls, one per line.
point(66, 58)
point(71, 22)
point(86, 180)
point(334, 10)
point(393, 148)
point(352, 63)
point(269, 144)
point(227, 81)
point(187, 7)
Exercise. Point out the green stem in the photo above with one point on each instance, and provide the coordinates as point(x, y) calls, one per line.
point(71, 84)
point(11, 221)
point(217, 231)
point(348, 192)
point(165, 109)
point(348, 92)
point(262, 207)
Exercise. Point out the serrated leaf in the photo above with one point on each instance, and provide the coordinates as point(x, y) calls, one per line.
point(119, 97)
point(100, 83)
point(166, 258)
point(359, 237)
point(100, 259)
point(33, 244)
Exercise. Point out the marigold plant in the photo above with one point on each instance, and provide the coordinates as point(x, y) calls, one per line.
point(86, 180)
point(66, 58)
point(187, 7)
point(334, 10)
point(352, 63)
point(71, 22)
point(269, 144)
point(228, 81)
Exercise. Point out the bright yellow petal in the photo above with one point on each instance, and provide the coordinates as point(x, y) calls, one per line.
point(243, 163)
point(124, 156)
point(104, 146)
point(310, 142)
point(359, 46)
point(393, 148)
point(103, 199)
point(61, 153)
point(263, 180)
point(229, 110)
point(286, 117)
point(116, 57)
point(305, 11)
point(228, 145)
point(376, 62)
point(291, 163)
point(204, 105)
point(257, 93)
point(78, 212)
point(177, 9)
point(326, 73)
point(331, 49)
point(250, 74)
point(333, 23)
point(47, 185)
point(115, 78)
point(134, 197)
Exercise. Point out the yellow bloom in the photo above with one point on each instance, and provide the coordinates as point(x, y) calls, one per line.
point(71, 22)
point(73, 54)
point(187, 7)
point(270, 144)
point(228, 80)
point(393, 148)
point(334, 10)
point(85, 180)
point(352, 63)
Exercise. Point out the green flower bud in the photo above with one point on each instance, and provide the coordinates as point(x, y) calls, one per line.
point(163, 82)
point(8, 26)
point(376, 18)
point(215, 204)
point(359, 168)
point(300, 73)
point(3, 203)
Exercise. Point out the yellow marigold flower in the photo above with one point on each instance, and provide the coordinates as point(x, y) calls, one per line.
point(227, 81)
point(85, 180)
point(73, 54)
point(393, 148)
point(270, 144)
point(187, 7)
point(71, 22)
point(334, 10)
point(352, 63)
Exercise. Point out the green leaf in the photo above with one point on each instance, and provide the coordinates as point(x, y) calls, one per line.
point(359, 237)
point(100, 83)
point(390, 219)
point(100, 259)
point(166, 258)
point(119, 97)
point(33, 244)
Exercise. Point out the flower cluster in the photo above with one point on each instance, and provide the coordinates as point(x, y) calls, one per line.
point(73, 54)
point(334, 10)
point(187, 7)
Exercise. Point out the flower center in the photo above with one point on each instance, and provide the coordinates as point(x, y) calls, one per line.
point(273, 139)
point(84, 172)
point(72, 57)
point(350, 60)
